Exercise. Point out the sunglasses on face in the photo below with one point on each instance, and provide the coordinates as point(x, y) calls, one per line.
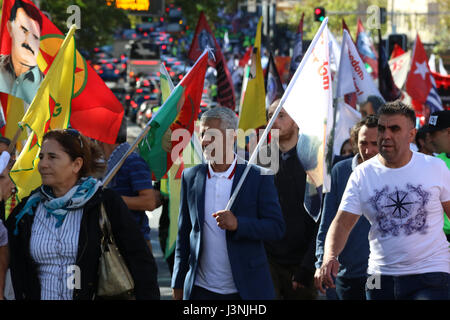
point(76, 134)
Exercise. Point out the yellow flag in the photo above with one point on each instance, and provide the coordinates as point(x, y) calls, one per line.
point(253, 110)
point(55, 93)
point(15, 110)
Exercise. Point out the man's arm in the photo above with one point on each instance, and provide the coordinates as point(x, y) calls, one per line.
point(335, 242)
point(446, 206)
point(330, 208)
point(269, 225)
point(147, 200)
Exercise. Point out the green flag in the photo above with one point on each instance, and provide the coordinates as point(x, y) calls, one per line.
point(179, 111)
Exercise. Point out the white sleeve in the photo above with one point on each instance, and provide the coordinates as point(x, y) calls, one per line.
point(351, 201)
point(445, 175)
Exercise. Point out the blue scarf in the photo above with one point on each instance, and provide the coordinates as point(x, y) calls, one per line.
point(73, 200)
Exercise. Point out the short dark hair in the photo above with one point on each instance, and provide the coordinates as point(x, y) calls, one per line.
point(76, 145)
point(398, 107)
point(421, 134)
point(30, 10)
point(5, 140)
point(371, 121)
point(376, 102)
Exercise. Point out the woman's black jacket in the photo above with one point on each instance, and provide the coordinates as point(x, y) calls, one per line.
point(129, 240)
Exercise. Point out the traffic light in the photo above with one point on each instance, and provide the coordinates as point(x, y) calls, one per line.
point(397, 38)
point(319, 14)
point(383, 15)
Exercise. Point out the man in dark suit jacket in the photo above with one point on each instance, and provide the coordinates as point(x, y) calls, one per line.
point(220, 253)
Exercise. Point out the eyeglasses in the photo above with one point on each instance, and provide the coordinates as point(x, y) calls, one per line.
point(76, 134)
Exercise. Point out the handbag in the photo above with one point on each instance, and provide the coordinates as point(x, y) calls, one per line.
point(114, 278)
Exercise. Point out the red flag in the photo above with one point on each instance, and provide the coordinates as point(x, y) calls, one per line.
point(349, 98)
point(247, 55)
point(397, 51)
point(345, 27)
point(95, 110)
point(180, 111)
point(367, 50)
point(420, 84)
point(204, 39)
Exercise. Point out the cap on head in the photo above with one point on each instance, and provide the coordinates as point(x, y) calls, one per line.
point(439, 120)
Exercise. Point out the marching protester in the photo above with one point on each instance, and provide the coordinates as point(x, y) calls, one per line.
point(220, 253)
point(6, 188)
point(423, 140)
point(57, 227)
point(291, 258)
point(133, 181)
point(402, 193)
point(439, 130)
point(352, 274)
point(370, 106)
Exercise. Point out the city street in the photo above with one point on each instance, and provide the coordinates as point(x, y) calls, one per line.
point(153, 217)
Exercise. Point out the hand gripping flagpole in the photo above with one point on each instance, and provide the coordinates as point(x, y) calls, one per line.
point(252, 159)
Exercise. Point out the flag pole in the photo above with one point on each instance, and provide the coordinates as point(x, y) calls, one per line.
point(141, 136)
point(275, 114)
point(116, 168)
point(12, 145)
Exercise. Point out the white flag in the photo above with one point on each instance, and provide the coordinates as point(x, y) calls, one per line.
point(308, 101)
point(432, 62)
point(346, 118)
point(352, 76)
point(400, 68)
point(441, 68)
point(335, 52)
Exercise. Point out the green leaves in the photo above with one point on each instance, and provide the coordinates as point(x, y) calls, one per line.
point(98, 20)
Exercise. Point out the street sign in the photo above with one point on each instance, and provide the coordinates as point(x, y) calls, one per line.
point(154, 7)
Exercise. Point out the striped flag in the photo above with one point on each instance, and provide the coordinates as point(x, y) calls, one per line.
point(204, 39)
point(420, 84)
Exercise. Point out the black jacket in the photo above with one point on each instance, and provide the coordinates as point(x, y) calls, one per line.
point(129, 240)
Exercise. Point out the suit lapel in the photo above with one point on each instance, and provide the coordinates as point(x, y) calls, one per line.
point(237, 176)
point(200, 183)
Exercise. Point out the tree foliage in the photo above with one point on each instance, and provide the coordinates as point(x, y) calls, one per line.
point(191, 9)
point(98, 20)
point(442, 32)
point(335, 20)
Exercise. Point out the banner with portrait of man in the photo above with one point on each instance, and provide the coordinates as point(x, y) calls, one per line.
point(29, 43)
point(20, 75)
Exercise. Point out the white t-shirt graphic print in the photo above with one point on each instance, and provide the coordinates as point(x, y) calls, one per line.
point(403, 206)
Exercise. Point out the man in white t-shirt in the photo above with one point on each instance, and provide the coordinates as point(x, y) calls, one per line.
point(403, 195)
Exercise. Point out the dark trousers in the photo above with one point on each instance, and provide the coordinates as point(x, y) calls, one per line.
point(282, 282)
point(425, 286)
point(351, 288)
point(199, 293)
